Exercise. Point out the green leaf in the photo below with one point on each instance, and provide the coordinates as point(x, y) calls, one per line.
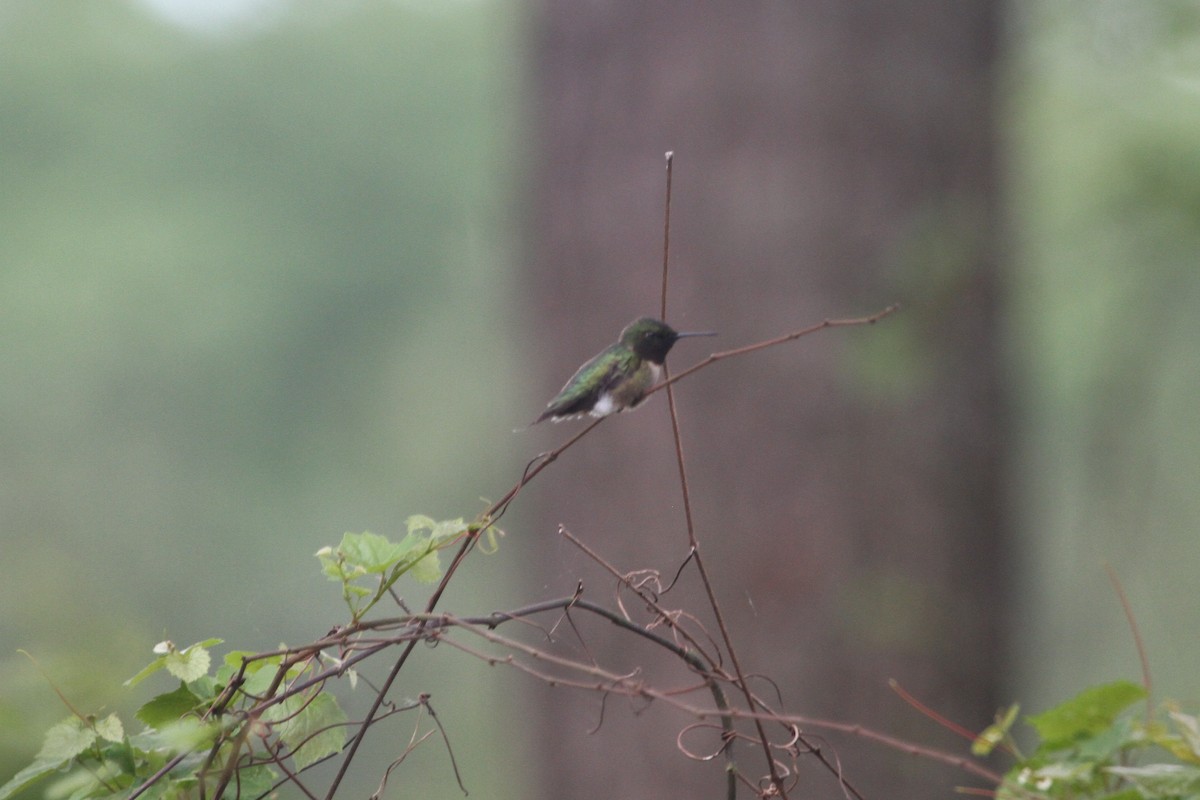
point(146, 671)
point(110, 728)
point(1127, 794)
point(255, 781)
point(369, 551)
point(78, 784)
point(995, 733)
point(188, 665)
point(367, 554)
point(234, 659)
point(1189, 729)
point(419, 522)
point(1161, 780)
point(322, 719)
point(66, 740)
point(29, 776)
point(205, 688)
point(334, 565)
point(428, 568)
point(263, 675)
point(1086, 714)
point(189, 734)
point(62, 742)
point(438, 531)
point(422, 550)
point(122, 758)
point(447, 529)
point(167, 708)
point(231, 664)
point(1107, 743)
point(181, 664)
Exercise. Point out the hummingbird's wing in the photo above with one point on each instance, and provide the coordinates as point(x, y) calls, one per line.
point(584, 388)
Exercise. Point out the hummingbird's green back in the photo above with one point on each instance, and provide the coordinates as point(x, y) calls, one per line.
point(594, 379)
point(619, 377)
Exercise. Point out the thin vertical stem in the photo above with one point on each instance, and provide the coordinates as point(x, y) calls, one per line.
point(776, 779)
point(662, 314)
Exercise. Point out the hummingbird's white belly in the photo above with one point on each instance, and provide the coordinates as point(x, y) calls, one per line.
point(607, 403)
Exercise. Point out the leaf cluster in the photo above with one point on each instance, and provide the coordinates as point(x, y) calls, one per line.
point(368, 565)
point(257, 719)
point(1095, 747)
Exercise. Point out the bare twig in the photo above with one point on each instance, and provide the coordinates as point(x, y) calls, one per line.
point(694, 547)
point(1136, 630)
point(424, 699)
point(607, 681)
point(953, 727)
point(666, 262)
point(712, 658)
point(778, 340)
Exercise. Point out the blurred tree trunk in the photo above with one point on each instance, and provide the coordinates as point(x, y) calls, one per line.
point(831, 158)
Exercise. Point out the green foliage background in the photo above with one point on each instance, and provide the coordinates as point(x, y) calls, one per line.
point(254, 289)
point(1104, 141)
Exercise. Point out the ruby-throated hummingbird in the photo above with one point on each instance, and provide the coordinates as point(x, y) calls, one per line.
point(619, 377)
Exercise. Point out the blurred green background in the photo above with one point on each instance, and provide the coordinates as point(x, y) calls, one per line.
point(1104, 192)
point(259, 286)
point(256, 283)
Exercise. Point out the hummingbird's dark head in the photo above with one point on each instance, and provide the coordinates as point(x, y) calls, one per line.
point(652, 339)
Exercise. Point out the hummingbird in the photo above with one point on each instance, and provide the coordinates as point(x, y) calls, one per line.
point(619, 377)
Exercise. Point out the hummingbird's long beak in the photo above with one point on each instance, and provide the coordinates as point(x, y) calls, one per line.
point(695, 333)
